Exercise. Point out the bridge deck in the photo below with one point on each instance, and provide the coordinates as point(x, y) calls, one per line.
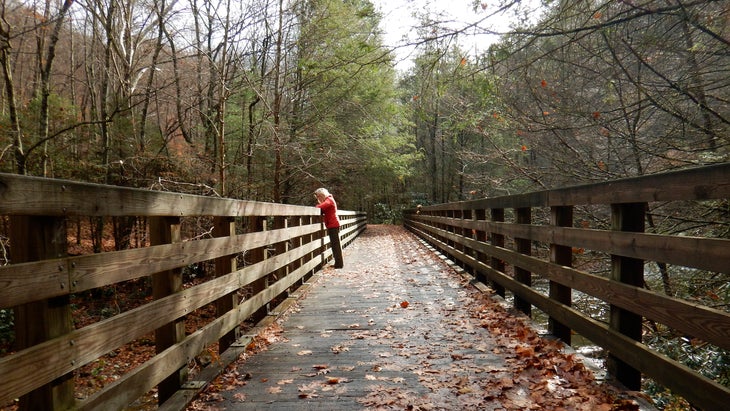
point(398, 329)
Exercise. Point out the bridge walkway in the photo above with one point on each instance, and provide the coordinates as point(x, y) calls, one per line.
point(398, 328)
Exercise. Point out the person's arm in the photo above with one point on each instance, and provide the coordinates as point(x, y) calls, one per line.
point(326, 204)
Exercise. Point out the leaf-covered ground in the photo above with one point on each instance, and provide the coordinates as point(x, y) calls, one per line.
point(398, 329)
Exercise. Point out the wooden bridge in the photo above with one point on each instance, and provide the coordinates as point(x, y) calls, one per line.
point(260, 254)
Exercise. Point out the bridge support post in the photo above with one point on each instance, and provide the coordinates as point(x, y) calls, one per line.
point(523, 246)
point(480, 215)
point(257, 223)
point(33, 239)
point(281, 222)
point(498, 241)
point(561, 216)
point(626, 217)
point(166, 230)
point(225, 227)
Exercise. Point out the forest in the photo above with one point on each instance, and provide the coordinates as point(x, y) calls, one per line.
point(268, 100)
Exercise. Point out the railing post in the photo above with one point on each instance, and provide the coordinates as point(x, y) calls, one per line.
point(468, 233)
point(166, 230)
point(498, 241)
point(626, 217)
point(523, 246)
point(561, 216)
point(281, 222)
point(481, 236)
point(297, 243)
point(225, 227)
point(256, 255)
point(312, 255)
point(449, 214)
point(323, 237)
point(33, 239)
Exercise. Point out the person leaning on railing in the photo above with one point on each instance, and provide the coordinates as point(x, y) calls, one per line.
point(326, 203)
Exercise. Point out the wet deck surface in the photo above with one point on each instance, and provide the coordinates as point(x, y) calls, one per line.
point(398, 329)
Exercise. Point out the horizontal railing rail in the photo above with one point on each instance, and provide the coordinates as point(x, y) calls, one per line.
point(266, 249)
point(507, 241)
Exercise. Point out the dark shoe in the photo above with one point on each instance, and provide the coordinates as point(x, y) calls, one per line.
point(338, 266)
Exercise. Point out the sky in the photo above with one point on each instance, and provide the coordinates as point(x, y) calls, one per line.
point(398, 22)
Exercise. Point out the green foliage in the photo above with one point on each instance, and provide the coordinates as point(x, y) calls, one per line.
point(386, 214)
point(712, 362)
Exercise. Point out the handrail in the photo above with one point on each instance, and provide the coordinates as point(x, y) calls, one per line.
point(480, 236)
point(268, 249)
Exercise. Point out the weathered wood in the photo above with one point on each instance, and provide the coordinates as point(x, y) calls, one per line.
point(481, 236)
point(524, 247)
point(697, 252)
point(690, 318)
point(52, 279)
point(28, 282)
point(183, 397)
point(34, 238)
point(700, 183)
point(699, 390)
point(40, 196)
point(256, 255)
point(167, 231)
point(225, 227)
point(497, 215)
point(561, 255)
point(626, 217)
point(280, 248)
point(143, 378)
point(71, 351)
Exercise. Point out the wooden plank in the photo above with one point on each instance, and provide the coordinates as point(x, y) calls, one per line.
point(49, 278)
point(691, 318)
point(225, 227)
point(134, 384)
point(33, 238)
point(523, 246)
point(700, 183)
point(184, 396)
point(563, 256)
point(61, 355)
point(166, 230)
point(697, 252)
point(27, 282)
point(626, 270)
point(697, 389)
point(40, 196)
point(497, 214)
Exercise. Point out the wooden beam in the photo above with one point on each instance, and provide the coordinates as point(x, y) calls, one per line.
point(36, 238)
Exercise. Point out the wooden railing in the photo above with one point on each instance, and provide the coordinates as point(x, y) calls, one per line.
point(263, 248)
point(508, 241)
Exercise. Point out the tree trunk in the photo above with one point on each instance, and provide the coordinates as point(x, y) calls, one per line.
point(10, 92)
point(277, 107)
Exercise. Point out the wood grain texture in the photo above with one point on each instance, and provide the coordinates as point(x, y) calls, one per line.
point(40, 196)
point(699, 390)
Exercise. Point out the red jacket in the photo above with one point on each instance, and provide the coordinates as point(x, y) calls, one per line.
point(329, 210)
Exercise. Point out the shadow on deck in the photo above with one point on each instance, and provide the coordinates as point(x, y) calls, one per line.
point(398, 328)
